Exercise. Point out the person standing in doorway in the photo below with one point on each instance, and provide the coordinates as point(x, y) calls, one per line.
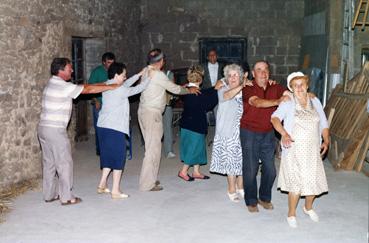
point(213, 70)
point(52, 133)
point(99, 74)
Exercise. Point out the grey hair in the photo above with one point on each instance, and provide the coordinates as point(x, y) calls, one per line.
point(233, 67)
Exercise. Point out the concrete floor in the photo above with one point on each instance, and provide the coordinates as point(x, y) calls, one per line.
point(184, 212)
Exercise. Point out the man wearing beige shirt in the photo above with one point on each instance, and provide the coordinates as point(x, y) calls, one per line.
point(152, 105)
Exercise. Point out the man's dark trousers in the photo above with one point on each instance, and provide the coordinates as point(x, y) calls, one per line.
point(255, 146)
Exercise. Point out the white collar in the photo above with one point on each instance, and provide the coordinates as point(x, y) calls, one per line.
point(192, 85)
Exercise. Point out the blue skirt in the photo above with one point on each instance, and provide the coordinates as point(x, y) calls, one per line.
point(112, 148)
point(193, 148)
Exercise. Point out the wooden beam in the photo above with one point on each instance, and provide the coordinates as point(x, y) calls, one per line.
point(353, 96)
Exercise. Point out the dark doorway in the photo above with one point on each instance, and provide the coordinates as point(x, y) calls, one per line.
point(229, 50)
point(78, 77)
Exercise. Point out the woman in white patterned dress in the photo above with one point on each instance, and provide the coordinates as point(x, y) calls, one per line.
point(227, 153)
point(301, 170)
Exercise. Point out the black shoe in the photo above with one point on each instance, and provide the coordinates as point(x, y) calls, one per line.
point(156, 188)
point(188, 178)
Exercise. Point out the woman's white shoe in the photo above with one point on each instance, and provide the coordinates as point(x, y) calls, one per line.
point(119, 196)
point(312, 214)
point(241, 193)
point(292, 221)
point(233, 197)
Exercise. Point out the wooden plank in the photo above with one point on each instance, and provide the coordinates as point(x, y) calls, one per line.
point(364, 22)
point(353, 148)
point(339, 161)
point(358, 96)
point(362, 154)
point(331, 114)
point(356, 15)
point(337, 122)
point(357, 112)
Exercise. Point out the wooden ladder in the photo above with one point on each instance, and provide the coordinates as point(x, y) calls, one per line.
point(361, 11)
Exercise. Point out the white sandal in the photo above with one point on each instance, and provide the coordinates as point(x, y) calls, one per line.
point(312, 214)
point(292, 222)
point(233, 197)
point(241, 193)
point(119, 196)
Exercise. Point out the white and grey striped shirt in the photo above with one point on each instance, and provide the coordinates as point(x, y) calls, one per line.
point(57, 102)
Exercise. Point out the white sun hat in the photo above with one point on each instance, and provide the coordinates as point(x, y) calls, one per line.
point(292, 76)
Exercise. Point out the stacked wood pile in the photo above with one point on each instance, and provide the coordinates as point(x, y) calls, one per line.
point(349, 127)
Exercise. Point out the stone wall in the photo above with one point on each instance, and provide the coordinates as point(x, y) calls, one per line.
point(33, 33)
point(273, 29)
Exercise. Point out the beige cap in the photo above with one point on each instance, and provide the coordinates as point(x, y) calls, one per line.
point(292, 76)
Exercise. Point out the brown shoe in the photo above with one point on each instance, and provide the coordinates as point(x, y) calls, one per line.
point(253, 208)
point(52, 199)
point(157, 183)
point(156, 188)
point(72, 202)
point(266, 205)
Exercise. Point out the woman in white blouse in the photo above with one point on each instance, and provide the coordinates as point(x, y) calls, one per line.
point(113, 126)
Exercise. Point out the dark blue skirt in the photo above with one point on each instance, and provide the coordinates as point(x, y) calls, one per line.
point(112, 148)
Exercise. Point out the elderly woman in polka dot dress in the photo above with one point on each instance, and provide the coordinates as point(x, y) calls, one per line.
point(301, 170)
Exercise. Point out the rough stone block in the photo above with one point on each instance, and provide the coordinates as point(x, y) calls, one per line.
point(265, 50)
point(27, 142)
point(277, 5)
point(281, 51)
point(295, 9)
point(292, 68)
point(281, 79)
point(218, 31)
point(187, 37)
point(292, 60)
point(281, 70)
point(267, 41)
point(189, 55)
point(294, 50)
point(279, 60)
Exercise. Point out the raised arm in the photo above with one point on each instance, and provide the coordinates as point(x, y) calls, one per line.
point(168, 85)
point(129, 82)
point(98, 88)
point(265, 103)
point(136, 89)
point(232, 92)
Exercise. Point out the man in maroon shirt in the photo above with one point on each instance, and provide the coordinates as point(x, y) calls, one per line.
point(257, 136)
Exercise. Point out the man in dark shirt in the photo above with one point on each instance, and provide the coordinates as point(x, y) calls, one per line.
point(257, 136)
point(213, 70)
point(98, 75)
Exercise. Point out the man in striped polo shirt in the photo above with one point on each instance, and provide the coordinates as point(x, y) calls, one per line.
point(55, 114)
